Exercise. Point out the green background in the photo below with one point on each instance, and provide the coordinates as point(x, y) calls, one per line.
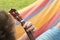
point(17, 4)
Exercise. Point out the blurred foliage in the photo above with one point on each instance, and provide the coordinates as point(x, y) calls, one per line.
point(17, 4)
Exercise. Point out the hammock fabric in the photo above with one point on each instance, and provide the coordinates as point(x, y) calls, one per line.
point(44, 16)
point(49, 24)
point(34, 9)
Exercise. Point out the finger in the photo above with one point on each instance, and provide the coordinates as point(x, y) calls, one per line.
point(34, 30)
point(25, 25)
point(29, 24)
point(30, 29)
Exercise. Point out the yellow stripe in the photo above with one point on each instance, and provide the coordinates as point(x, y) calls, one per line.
point(30, 6)
point(45, 15)
point(42, 17)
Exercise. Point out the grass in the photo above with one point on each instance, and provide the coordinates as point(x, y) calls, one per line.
point(17, 4)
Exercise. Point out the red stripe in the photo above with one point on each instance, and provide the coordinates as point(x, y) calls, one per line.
point(47, 25)
point(39, 6)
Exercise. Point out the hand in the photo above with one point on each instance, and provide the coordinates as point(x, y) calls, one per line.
point(29, 27)
point(58, 25)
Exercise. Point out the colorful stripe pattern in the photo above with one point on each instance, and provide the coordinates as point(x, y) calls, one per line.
point(44, 15)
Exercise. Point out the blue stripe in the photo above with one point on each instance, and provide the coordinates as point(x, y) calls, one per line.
point(51, 34)
point(30, 16)
point(57, 20)
point(27, 18)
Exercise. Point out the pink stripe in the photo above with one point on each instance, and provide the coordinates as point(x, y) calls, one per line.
point(47, 25)
point(34, 9)
point(25, 12)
